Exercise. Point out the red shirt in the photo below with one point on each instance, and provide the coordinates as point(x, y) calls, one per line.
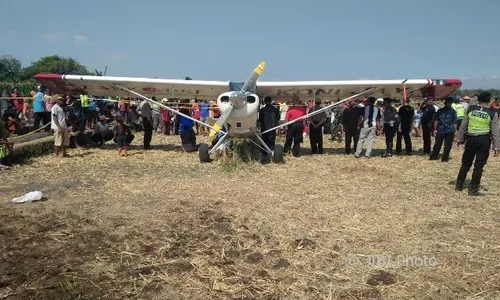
point(494, 105)
point(295, 112)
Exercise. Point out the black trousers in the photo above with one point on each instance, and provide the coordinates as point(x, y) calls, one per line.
point(403, 134)
point(6, 161)
point(316, 139)
point(389, 132)
point(41, 117)
point(448, 143)
point(294, 134)
point(477, 147)
point(426, 135)
point(351, 136)
point(99, 139)
point(270, 139)
point(148, 132)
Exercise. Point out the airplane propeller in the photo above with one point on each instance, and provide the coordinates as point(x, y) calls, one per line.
point(249, 84)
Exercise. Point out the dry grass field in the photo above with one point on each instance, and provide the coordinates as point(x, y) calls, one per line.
point(160, 225)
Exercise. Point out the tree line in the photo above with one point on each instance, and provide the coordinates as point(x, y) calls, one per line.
point(13, 74)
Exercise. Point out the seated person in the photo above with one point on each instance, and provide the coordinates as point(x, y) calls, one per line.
point(101, 133)
point(10, 120)
point(123, 136)
point(77, 138)
point(5, 147)
point(188, 139)
point(133, 118)
point(218, 136)
point(184, 127)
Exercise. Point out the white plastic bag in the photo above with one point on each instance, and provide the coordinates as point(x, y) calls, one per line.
point(29, 197)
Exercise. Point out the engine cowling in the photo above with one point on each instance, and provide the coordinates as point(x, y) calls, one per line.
point(243, 118)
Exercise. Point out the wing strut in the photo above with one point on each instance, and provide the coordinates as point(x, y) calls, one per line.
point(166, 107)
point(367, 91)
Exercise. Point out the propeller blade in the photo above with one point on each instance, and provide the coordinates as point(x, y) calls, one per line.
point(252, 80)
point(220, 121)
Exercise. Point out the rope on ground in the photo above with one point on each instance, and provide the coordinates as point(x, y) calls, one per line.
point(31, 132)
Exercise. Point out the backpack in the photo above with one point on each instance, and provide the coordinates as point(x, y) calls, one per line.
point(393, 117)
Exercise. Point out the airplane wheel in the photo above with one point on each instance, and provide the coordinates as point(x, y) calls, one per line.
point(203, 152)
point(278, 154)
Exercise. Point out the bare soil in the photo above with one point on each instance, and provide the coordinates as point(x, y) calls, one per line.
point(160, 225)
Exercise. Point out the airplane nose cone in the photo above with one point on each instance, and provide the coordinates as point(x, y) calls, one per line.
point(237, 100)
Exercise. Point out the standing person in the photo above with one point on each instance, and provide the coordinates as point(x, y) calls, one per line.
point(428, 112)
point(391, 124)
point(204, 114)
point(416, 119)
point(336, 123)
point(445, 126)
point(269, 117)
point(147, 123)
point(195, 112)
point(316, 128)
point(350, 118)
point(156, 116)
point(406, 114)
point(61, 130)
point(38, 108)
point(84, 100)
point(460, 109)
point(369, 122)
point(91, 114)
point(481, 126)
point(295, 130)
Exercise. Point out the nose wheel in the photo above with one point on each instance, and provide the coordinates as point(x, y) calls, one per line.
point(277, 154)
point(204, 153)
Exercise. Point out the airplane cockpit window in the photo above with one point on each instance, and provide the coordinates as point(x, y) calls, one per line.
point(251, 99)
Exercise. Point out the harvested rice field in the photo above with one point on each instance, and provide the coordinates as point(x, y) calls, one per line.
point(158, 224)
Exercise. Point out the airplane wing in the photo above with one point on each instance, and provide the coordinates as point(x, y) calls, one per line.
point(336, 90)
point(135, 87)
point(107, 86)
point(306, 90)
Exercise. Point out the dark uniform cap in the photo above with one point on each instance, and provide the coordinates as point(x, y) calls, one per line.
point(484, 97)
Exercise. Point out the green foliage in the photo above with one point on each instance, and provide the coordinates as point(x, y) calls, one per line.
point(23, 87)
point(10, 68)
point(55, 64)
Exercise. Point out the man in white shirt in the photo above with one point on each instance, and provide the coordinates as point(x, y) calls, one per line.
point(61, 131)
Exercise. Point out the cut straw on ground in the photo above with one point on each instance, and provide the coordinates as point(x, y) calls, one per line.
point(160, 225)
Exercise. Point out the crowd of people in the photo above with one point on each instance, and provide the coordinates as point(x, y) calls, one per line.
point(85, 120)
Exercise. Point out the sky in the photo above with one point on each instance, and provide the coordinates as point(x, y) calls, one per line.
point(224, 40)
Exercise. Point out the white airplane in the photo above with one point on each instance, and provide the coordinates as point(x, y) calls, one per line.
point(239, 102)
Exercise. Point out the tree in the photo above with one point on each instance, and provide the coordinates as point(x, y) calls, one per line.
point(55, 64)
point(10, 68)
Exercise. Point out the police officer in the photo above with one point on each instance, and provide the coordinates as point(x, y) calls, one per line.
point(460, 109)
point(481, 126)
point(269, 117)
